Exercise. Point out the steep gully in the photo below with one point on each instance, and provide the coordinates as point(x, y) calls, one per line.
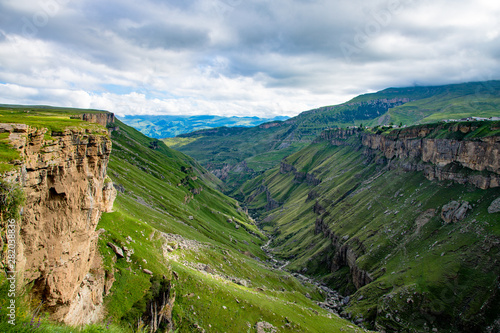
point(334, 302)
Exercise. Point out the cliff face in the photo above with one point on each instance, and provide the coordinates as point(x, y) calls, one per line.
point(102, 119)
point(64, 182)
point(442, 158)
point(299, 176)
point(344, 254)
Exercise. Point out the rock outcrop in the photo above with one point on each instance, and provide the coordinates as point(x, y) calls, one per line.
point(222, 171)
point(495, 206)
point(439, 159)
point(103, 119)
point(344, 253)
point(63, 177)
point(454, 211)
point(299, 177)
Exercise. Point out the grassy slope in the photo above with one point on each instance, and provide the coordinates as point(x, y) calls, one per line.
point(262, 148)
point(158, 185)
point(440, 275)
point(451, 102)
point(201, 297)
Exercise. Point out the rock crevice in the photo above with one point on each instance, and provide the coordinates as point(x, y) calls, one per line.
point(345, 255)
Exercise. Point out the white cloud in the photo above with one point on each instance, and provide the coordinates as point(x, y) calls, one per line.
point(237, 57)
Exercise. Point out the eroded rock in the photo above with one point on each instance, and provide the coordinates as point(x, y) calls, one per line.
point(495, 206)
point(64, 181)
point(455, 211)
point(116, 249)
point(265, 327)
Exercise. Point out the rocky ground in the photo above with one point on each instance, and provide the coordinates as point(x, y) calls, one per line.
point(334, 302)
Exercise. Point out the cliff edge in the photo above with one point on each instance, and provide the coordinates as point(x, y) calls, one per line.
point(456, 152)
point(63, 177)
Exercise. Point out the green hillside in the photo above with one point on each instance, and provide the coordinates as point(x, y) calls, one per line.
point(263, 147)
point(154, 199)
point(202, 249)
point(375, 232)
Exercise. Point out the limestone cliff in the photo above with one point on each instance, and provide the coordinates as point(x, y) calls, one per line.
point(63, 176)
point(103, 119)
point(414, 149)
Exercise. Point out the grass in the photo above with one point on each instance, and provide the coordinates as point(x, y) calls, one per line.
point(445, 270)
point(176, 143)
point(158, 198)
point(164, 191)
point(7, 153)
point(54, 119)
point(262, 148)
point(29, 319)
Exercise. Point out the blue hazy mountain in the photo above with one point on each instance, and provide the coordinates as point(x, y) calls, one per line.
point(168, 126)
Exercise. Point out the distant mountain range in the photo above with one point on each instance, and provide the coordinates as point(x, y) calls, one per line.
point(222, 151)
point(169, 126)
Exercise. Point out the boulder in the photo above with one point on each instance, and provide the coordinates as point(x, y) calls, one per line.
point(455, 211)
point(495, 206)
point(265, 327)
point(118, 250)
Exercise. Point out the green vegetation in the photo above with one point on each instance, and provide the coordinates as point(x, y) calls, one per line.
point(53, 118)
point(7, 153)
point(342, 214)
point(479, 99)
point(263, 147)
point(215, 267)
point(214, 271)
point(426, 273)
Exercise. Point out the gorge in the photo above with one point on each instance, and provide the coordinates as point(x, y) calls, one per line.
point(322, 229)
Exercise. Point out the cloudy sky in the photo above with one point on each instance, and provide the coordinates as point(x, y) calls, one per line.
point(235, 57)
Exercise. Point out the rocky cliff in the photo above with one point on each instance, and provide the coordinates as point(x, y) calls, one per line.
point(416, 149)
point(103, 119)
point(63, 177)
point(344, 255)
point(299, 177)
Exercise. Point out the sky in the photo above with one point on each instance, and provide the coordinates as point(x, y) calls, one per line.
point(237, 58)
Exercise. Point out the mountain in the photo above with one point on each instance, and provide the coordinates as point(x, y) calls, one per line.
point(114, 231)
point(236, 155)
point(327, 229)
point(166, 126)
point(405, 221)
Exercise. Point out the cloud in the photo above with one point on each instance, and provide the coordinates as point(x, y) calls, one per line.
point(234, 57)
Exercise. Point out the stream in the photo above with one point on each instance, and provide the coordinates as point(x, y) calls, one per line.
point(334, 302)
